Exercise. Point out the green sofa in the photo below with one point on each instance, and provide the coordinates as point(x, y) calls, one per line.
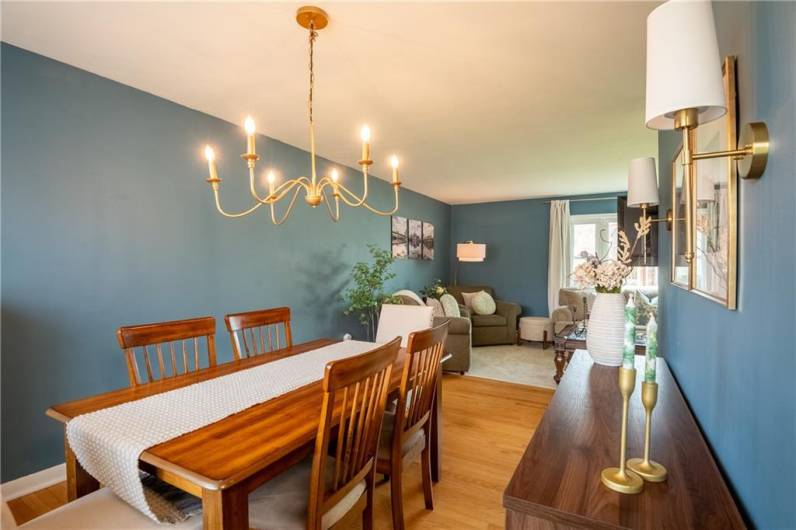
point(488, 330)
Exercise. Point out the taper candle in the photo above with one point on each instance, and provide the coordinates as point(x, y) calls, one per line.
point(651, 360)
point(629, 350)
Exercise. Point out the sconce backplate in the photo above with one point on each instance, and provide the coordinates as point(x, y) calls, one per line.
point(754, 137)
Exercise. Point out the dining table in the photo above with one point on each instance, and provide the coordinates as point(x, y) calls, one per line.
point(224, 461)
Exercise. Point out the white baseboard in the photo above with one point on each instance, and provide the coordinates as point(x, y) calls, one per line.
point(33, 482)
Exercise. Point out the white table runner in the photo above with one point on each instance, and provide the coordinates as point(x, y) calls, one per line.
point(109, 442)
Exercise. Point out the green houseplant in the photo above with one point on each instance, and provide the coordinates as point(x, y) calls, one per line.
point(366, 296)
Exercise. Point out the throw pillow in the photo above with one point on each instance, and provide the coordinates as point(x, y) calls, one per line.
point(468, 299)
point(439, 311)
point(450, 306)
point(483, 304)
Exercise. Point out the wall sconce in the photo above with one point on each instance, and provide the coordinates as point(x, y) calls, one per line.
point(468, 252)
point(684, 89)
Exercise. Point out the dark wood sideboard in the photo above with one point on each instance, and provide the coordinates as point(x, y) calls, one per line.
point(557, 482)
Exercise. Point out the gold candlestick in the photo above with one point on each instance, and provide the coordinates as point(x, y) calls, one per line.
point(620, 478)
point(649, 470)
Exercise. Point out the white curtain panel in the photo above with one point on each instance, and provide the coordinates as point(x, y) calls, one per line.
point(560, 252)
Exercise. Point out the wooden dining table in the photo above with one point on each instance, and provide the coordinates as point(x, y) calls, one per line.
point(223, 462)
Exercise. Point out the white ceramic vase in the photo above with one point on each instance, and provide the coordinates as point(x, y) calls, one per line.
point(605, 337)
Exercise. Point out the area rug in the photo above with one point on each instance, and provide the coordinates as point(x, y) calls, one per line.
point(527, 364)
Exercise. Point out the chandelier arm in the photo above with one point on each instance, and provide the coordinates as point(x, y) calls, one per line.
point(252, 189)
point(361, 201)
point(356, 200)
point(336, 214)
point(232, 215)
point(287, 212)
point(380, 212)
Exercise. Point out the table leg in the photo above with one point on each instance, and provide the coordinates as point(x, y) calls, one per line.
point(559, 360)
point(226, 509)
point(436, 431)
point(78, 480)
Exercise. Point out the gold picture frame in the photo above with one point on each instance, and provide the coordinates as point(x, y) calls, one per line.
point(713, 271)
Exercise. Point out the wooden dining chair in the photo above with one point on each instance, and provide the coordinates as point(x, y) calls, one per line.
point(257, 332)
point(406, 432)
point(320, 492)
point(167, 349)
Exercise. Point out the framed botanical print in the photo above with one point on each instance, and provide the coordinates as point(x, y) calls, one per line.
point(713, 271)
point(715, 218)
point(680, 267)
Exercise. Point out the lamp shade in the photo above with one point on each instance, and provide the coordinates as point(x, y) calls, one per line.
point(470, 251)
point(642, 182)
point(683, 63)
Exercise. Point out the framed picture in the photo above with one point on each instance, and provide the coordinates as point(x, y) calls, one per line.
point(680, 268)
point(715, 219)
point(714, 233)
point(428, 241)
point(400, 245)
point(415, 239)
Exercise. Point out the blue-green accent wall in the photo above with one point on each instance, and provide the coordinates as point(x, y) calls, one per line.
point(737, 368)
point(516, 236)
point(107, 221)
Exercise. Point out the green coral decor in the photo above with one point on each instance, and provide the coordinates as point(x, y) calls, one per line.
point(365, 298)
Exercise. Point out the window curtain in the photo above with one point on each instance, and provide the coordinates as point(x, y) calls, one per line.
point(560, 252)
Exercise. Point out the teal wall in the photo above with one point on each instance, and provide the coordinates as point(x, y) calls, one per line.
point(107, 220)
point(737, 368)
point(516, 234)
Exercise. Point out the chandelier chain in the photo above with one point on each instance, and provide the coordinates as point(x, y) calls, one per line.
point(313, 36)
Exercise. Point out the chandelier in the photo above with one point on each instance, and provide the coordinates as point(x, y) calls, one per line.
point(316, 189)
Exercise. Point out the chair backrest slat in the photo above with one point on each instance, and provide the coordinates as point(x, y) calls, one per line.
point(248, 331)
point(355, 391)
point(419, 382)
point(162, 335)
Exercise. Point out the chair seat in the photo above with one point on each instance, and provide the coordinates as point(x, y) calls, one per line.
point(416, 441)
point(482, 321)
point(102, 510)
point(281, 503)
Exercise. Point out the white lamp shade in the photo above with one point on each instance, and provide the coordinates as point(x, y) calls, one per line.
point(470, 251)
point(642, 182)
point(683, 63)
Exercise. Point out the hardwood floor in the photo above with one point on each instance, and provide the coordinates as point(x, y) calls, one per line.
point(486, 427)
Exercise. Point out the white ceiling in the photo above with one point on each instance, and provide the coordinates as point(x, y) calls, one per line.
point(483, 101)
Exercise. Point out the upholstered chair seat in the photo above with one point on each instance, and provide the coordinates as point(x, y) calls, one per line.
point(484, 321)
point(413, 444)
point(100, 510)
point(282, 502)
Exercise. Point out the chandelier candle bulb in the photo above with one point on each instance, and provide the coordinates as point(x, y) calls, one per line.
point(365, 135)
point(651, 360)
point(629, 350)
point(210, 155)
point(394, 164)
point(249, 126)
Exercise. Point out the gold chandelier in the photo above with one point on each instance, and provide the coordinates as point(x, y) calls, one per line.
point(315, 188)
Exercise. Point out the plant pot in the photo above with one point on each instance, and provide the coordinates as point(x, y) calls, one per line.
point(605, 337)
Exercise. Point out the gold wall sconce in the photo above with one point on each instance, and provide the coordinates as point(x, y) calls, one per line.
point(685, 89)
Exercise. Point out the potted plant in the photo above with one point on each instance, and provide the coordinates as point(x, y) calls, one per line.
point(435, 290)
point(605, 333)
point(367, 295)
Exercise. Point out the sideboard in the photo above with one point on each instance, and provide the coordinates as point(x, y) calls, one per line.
point(557, 482)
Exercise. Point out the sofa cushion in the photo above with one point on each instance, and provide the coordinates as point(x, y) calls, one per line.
point(457, 290)
point(450, 306)
point(483, 304)
point(435, 304)
point(468, 299)
point(481, 321)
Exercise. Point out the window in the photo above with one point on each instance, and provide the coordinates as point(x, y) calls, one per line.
point(596, 234)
